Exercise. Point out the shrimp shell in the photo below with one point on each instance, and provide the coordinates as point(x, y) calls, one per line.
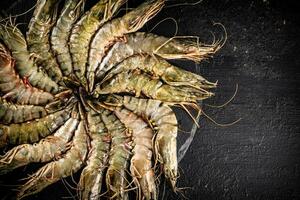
point(84, 30)
point(26, 68)
point(141, 164)
point(118, 156)
point(32, 131)
point(167, 48)
point(71, 162)
point(110, 33)
point(158, 67)
point(173, 48)
point(61, 33)
point(38, 37)
point(90, 182)
point(138, 84)
point(164, 122)
point(11, 113)
point(45, 150)
point(15, 89)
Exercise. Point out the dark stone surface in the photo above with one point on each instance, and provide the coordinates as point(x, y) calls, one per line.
point(257, 158)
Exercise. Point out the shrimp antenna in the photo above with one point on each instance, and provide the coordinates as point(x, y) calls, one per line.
point(101, 195)
point(10, 185)
point(194, 106)
point(168, 18)
point(181, 190)
point(225, 33)
point(189, 113)
point(72, 178)
point(183, 131)
point(126, 7)
point(67, 186)
point(218, 124)
point(17, 15)
point(130, 189)
point(121, 9)
point(184, 4)
point(227, 102)
point(164, 190)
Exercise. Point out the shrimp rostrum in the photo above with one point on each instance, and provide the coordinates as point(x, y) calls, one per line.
point(85, 92)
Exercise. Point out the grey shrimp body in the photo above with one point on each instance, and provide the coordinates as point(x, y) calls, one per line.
point(61, 32)
point(111, 32)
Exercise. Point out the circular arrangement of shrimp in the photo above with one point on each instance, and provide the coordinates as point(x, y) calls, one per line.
point(85, 90)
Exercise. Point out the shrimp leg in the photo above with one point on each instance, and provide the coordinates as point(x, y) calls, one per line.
point(110, 33)
point(71, 162)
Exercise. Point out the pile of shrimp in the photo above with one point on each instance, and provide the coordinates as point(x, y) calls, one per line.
point(83, 90)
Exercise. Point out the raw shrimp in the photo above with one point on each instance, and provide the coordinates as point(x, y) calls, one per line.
point(11, 113)
point(38, 37)
point(59, 102)
point(167, 48)
point(61, 31)
point(158, 67)
point(178, 47)
point(15, 89)
point(116, 179)
point(70, 163)
point(111, 32)
point(26, 68)
point(84, 30)
point(141, 165)
point(32, 131)
point(164, 121)
point(91, 178)
point(137, 84)
point(47, 149)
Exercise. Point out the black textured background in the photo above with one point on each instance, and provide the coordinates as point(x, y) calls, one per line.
point(258, 158)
